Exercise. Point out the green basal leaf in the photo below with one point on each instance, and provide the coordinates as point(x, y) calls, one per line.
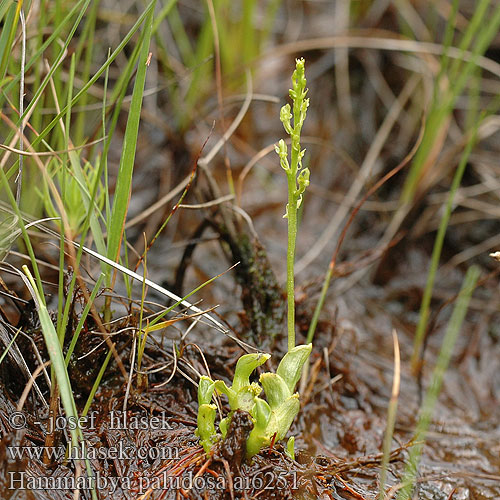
point(262, 413)
point(290, 367)
point(255, 442)
point(222, 388)
point(206, 388)
point(290, 447)
point(259, 437)
point(206, 426)
point(276, 389)
point(283, 416)
point(224, 426)
point(245, 366)
point(245, 398)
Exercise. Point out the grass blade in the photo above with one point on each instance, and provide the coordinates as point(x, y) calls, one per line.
point(391, 416)
point(8, 33)
point(443, 103)
point(124, 182)
point(57, 360)
point(432, 394)
point(436, 254)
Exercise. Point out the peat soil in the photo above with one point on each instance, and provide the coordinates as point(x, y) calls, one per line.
point(152, 452)
point(339, 431)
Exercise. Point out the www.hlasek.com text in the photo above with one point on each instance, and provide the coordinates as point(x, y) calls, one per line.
point(120, 451)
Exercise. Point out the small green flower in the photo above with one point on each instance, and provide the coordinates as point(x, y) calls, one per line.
point(286, 117)
point(282, 151)
point(294, 171)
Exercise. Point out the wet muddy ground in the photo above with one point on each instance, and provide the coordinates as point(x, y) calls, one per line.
point(339, 431)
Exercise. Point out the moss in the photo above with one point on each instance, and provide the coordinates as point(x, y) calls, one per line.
point(262, 297)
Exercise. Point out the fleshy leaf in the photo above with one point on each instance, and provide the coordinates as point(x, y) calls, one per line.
point(206, 426)
point(262, 413)
point(276, 389)
point(224, 425)
point(290, 447)
point(206, 388)
point(222, 388)
point(259, 437)
point(290, 367)
point(245, 398)
point(283, 416)
point(245, 366)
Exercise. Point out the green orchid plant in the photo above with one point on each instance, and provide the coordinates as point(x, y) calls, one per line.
point(273, 416)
